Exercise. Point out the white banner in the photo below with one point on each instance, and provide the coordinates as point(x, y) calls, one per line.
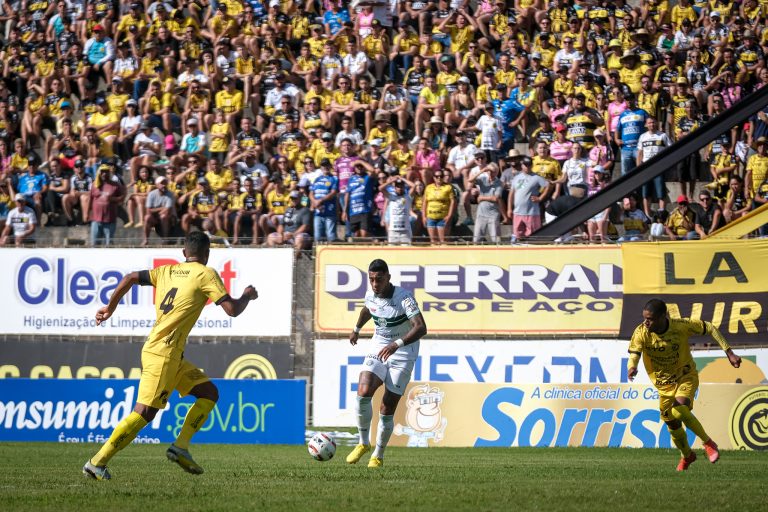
point(57, 291)
point(338, 365)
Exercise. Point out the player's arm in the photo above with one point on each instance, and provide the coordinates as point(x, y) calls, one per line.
point(635, 351)
point(362, 319)
point(418, 330)
point(123, 286)
point(233, 307)
point(716, 335)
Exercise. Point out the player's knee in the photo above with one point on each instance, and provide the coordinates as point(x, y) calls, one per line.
point(146, 412)
point(674, 424)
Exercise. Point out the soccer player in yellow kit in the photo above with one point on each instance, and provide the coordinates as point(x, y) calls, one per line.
point(663, 343)
point(185, 289)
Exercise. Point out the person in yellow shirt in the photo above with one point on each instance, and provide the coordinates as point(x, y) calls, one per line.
point(107, 125)
point(230, 101)
point(133, 24)
point(220, 179)
point(221, 136)
point(185, 289)
point(461, 27)
point(632, 71)
point(438, 206)
point(159, 108)
point(376, 47)
point(433, 101)
point(757, 167)
point(663, 343)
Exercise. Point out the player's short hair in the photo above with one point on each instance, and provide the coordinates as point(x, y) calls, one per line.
point(197, 243)
point(656, 307)
point(378, 265)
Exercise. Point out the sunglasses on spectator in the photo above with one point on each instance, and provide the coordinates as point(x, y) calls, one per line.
point(703, 199)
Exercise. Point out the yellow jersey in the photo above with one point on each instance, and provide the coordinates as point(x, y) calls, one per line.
point(182, 291)
point(758, 166)
point(438, 200)
point(667, 356)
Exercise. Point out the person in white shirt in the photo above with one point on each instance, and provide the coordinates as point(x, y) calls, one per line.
point(399, 213)
point(575, 170)
point(568, 57)
point(652, 142)
point(347, 132)
point(355, 62)
point(21, 223)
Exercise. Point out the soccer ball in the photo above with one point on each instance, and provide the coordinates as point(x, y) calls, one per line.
point(321, 447)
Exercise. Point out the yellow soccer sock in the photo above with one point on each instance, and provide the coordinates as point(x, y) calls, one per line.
point(684, 414)
point(195, 419)
point(124, 433)
point(680, 439)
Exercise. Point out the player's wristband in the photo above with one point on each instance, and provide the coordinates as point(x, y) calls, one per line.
point(400, 343)
point(356, 330)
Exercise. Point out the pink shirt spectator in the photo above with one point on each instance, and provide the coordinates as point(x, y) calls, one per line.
point(429, 159)
point(560, 151)
point(557, 112)
point(614, 111)
point(344, 170)
point(598, 155)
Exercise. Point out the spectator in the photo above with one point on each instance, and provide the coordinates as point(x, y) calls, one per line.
point(296, 226)
point(58, 188)
point(107, 193)
point(323, 198)
point(79, 195)
point(20, 224)
point(709, 216)
point(438, 206)
point(523, 205)
point(651, 143)
point(33, 184)
point(202, 204)
point(138, 199)
point(246, 211)
point(160, 210)
point(634, 221)
point(681, 224)
point(488, 218)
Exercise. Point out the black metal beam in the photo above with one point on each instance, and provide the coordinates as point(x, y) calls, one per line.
point(662, 162)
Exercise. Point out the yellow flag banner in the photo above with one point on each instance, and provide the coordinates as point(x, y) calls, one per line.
point(721, 281)
point(480, 290)
point(464, 415)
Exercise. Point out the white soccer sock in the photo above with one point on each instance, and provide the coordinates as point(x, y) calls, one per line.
point(386, 426)
point(364, 416)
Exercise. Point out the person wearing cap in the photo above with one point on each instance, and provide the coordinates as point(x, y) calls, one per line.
point(326, 149)
point(99, 51)
point(382, 132)
point(582, 123)
point(652, 142)
point(202, 203)
point(79, 194)
point(376, 47)
point(107, 194)
point(106, 122)
point(194, 142)
point(632, 70)
point(160, 210)
point(749, 53)
point(297, 221)
point(461, 157)
point(20, 225)
point(433, 102)
point(681, 223)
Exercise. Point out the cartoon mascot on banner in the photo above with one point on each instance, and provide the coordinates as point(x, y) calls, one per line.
point(423, 417)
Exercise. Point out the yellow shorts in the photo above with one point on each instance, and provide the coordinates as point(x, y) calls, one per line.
point(685, 386)
point(161, 375)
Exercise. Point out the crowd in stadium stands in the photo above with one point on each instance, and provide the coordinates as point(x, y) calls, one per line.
point(292, 121)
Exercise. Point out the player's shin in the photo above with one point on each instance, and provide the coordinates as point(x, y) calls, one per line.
point(195, 419)
point(386, 426)
point(684, 414)
point(680, 438)
point(364, 416)
point(124, 433)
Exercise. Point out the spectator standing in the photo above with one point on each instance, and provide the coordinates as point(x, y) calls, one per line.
point(160, 210)
point(439, 204)
point(323, 198)
point(107, 194)
point(629, 126)
point(523, 205)
point(652, 142)
point(488, 215)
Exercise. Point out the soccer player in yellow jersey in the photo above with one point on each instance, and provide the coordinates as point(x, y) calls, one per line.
point(663, 344)
point(185, 289)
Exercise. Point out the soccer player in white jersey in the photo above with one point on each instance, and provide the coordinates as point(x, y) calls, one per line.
point(399, 326)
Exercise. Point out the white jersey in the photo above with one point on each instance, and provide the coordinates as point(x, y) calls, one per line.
point(652, 144)
point(391, 317)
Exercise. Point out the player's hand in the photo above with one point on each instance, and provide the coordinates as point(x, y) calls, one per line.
point(353, 336)
point(103, 314)
point(631, 373)
point(251, 293)
point(387, 351)
point(733, 359)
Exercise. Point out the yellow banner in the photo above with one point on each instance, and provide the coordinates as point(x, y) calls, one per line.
point(462, 415)
point(481, 290)
point(724, 282)
point(700, 267)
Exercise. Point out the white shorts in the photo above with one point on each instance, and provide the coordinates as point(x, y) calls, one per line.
point(395, 373)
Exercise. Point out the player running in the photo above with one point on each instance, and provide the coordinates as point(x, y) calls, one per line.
point(663, 343)
point(399, 326)
point(185, 289)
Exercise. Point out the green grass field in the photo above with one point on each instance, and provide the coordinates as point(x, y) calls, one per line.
point(44, 477)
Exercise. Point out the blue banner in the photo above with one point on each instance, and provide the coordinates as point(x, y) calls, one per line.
point(82, 411)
